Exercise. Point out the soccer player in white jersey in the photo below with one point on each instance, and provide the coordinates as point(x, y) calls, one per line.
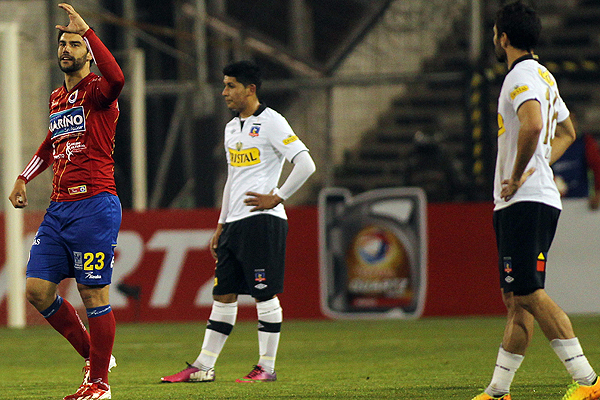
point(249, 242)
point(534, 131)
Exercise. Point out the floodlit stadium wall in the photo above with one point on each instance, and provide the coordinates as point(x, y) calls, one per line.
point(164, 272)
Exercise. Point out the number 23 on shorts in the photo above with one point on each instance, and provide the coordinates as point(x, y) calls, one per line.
point(93, 261)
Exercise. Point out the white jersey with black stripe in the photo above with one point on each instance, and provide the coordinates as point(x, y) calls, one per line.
point(256, 150)
point(528, 80)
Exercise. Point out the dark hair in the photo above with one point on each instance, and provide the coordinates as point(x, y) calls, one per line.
point(61, 32)
point(520, 23)
point(245, 72)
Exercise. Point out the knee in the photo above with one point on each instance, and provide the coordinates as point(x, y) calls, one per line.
point(38, 298)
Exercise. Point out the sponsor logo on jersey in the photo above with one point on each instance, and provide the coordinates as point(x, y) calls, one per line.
point(546, 76)
point(78, 189)
point(518, 90)
point(72, 148)
point(254, 130)
point(244, 158)
point(67, 122)
point(290, 139)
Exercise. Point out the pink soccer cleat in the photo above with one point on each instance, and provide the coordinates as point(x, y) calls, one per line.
point(190, 374)
point(258, 374)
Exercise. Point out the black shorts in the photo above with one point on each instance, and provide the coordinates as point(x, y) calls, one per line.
point(251, 257)
point(524, 233)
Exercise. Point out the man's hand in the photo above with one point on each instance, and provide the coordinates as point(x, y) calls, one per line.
point(214, 241)
point(18, 196)
point(510, 186)
point(262, 201)
point(76, 23)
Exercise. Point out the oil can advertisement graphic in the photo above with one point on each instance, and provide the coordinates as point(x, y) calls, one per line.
point(373, 255)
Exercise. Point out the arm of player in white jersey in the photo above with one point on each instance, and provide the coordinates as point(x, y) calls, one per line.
point(563, 138)
point(304, 166)
point(225, 201)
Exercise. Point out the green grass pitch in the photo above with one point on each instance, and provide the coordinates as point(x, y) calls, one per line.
point(432, 358)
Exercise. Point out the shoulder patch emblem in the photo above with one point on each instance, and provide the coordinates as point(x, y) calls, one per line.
point(518, 90)
point(290, 139)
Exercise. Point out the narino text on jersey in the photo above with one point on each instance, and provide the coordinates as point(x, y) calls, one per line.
point(66, 122)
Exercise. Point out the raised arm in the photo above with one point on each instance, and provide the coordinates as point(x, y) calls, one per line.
point(113, 79)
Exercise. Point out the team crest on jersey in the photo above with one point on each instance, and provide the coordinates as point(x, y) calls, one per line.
point(254, 130)
point(259, 277)
point(290, 139)
point(66, 122)
point(73, 97)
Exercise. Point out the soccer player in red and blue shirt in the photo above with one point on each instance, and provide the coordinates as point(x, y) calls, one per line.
point(79, 232)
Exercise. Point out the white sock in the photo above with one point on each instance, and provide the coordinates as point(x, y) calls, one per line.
point(220, 323)
point(504, 372)
point(270, 317)
point(571, 354)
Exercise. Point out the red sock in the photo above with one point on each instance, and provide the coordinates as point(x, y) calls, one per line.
point(102, 336)
point(67, 322)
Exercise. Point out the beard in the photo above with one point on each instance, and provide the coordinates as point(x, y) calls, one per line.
point(500, 53)
point(76, 65)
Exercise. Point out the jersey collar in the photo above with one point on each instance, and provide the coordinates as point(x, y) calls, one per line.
point(260, 109)
point(522, 58)
point(83, 81)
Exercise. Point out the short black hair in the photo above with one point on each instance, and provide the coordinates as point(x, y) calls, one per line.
point(521, 24)
point(245, 72)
